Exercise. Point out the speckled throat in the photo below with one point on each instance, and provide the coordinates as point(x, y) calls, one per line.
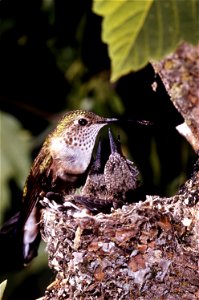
point(72, 142)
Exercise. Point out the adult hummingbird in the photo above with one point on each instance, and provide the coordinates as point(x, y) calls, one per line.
point(60, 167)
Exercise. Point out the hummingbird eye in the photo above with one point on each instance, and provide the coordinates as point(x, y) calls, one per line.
point(82, 122)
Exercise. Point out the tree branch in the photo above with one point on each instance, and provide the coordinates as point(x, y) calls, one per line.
point(180, 74)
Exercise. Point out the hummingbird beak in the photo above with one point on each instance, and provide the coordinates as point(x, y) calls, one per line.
point(115, 146)
point(112, 142)
point(108, 121)
point(123, 121)
point(142, 122)
point(97, 164)
point(111, 120)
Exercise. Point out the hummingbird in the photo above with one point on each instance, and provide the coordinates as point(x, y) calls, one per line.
point(60, 167)
point(111, 185)
point(121, 174)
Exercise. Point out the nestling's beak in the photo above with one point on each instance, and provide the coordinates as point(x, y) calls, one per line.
point(115, 146)
point(97, 164)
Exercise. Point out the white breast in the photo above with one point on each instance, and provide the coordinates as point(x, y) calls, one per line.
point(73, 159)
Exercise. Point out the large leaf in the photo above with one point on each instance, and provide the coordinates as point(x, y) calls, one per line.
point(14, 155)
point(139, 31)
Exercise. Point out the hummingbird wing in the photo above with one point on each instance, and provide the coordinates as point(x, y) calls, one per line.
point(20, 234)
point(29, 218)
point(36, 182)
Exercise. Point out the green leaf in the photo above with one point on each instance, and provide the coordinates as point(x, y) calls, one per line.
point(2, 288)
point(140, 31)
point(14, 155)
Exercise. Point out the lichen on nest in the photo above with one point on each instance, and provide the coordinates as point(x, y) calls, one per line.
point(145, 250)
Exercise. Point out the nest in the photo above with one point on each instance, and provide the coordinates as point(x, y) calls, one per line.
point(145, 250)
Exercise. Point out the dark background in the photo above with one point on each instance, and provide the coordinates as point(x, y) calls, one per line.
point(52, 60)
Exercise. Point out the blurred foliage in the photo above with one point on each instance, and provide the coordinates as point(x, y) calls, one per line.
point(15, 156)
point(52, 60)
point(30, 282)
point(155, 28)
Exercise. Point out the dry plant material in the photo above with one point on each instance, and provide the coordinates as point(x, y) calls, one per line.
point(146, 250)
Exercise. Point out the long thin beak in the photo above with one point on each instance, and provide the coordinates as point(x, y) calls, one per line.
point(111, 120)
point(115, 146)
point(142, 122)
point(112, 141)
point(123, 121)
point(98, 158)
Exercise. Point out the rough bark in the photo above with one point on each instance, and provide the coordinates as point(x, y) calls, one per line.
point(146, 250)
point(180, 75)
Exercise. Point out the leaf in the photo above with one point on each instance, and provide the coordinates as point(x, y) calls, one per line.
point(14, 155)
point(2, 288)
point(139, 31)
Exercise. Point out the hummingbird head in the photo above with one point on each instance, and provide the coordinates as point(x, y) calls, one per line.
point(73, 140)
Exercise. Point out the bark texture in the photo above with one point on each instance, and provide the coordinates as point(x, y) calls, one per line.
point(180, 75)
